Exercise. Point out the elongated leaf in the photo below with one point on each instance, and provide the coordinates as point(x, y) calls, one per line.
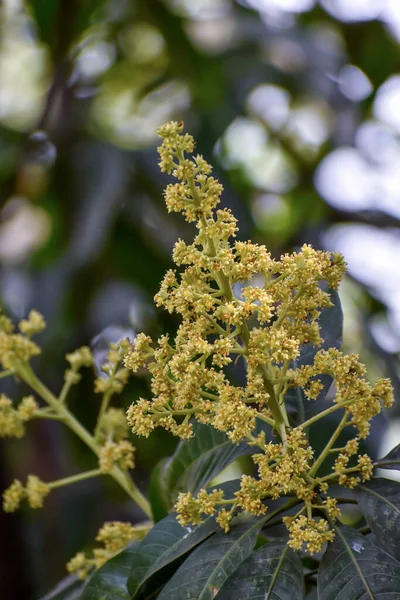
point(208, 567)
point(109, 582)
point(353, 567)
point(69, 588)
point(273, 572)
point(391, 460)
point(165, 545)
point(195, 463)
point(158, 491)
point(331, 323)
point(380, 503)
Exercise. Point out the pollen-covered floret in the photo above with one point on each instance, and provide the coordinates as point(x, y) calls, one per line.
point(313, 533)
point(141, 352)
point(113, 536)
point(35, 323)
point(114, 376)
point(27, 408)
point(80, 565)
point(12, 496)
point(16, 348)
point(82, 357)
point(36, 491)
point(116, 453)
point(191, 509)
point(11, 424)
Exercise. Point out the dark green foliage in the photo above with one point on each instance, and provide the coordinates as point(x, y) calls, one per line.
point(391, 460)
point(379, 500)
point(194, 464)
point(353, 567)
point(202, 563)
point(273, 572)
point(110, 581)
point(203, 574)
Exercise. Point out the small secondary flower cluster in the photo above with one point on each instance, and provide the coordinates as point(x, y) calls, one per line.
point(110, 440)
point(228, 315)
point(114, 537)
point(35, 491)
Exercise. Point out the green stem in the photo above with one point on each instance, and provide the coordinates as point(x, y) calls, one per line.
point(209, 396)
point(64, 392)
point(278, 412)
point(105, 401)
point(324, 413)
point(74, 478)
point(329, 445)
point(47, 415)
point(6, 373)
point(262, 417)
point(26, 373)
point(341, 500)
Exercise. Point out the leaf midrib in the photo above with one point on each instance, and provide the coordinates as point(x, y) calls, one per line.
point(355, 563)
point(276, 572)
point(382, 498)
point(246, 533)
point(198, 459)
point(156, 566)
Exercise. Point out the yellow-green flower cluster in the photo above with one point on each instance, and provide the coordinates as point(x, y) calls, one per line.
point(82, 357)
point(35, 491)
point(237, 302)
point(35, 323)
point(313, 533)
point(17, 348)
point(114, 537)
point(353, 391)
point(116, 377)
point(12, 420)
point(113, 426)
point(116, 453)
point(188, 376)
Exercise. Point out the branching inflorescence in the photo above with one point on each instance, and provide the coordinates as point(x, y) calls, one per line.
point(225, 318)
point(109, 440)
point(236, 303)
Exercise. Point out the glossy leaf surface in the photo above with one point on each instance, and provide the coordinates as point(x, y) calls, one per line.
point(194, 464)
point(353, 567)
point(379, 500)
point(163, 548)
point(109, 582)
point(208, 567)
point(273, 572)
point(391, 460)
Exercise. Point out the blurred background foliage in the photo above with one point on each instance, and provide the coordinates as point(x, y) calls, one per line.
point(295, 102)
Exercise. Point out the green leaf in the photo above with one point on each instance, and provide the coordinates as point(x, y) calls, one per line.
point(109, 582)
point(273, 572)
point(206, 569)
point(165, 544)
point(391, 460)
point(379, 500)
point(193, 465)
point(158, 491)
point(331, 323)
point(353, 567)
point(69, 588)
point(163, 548)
